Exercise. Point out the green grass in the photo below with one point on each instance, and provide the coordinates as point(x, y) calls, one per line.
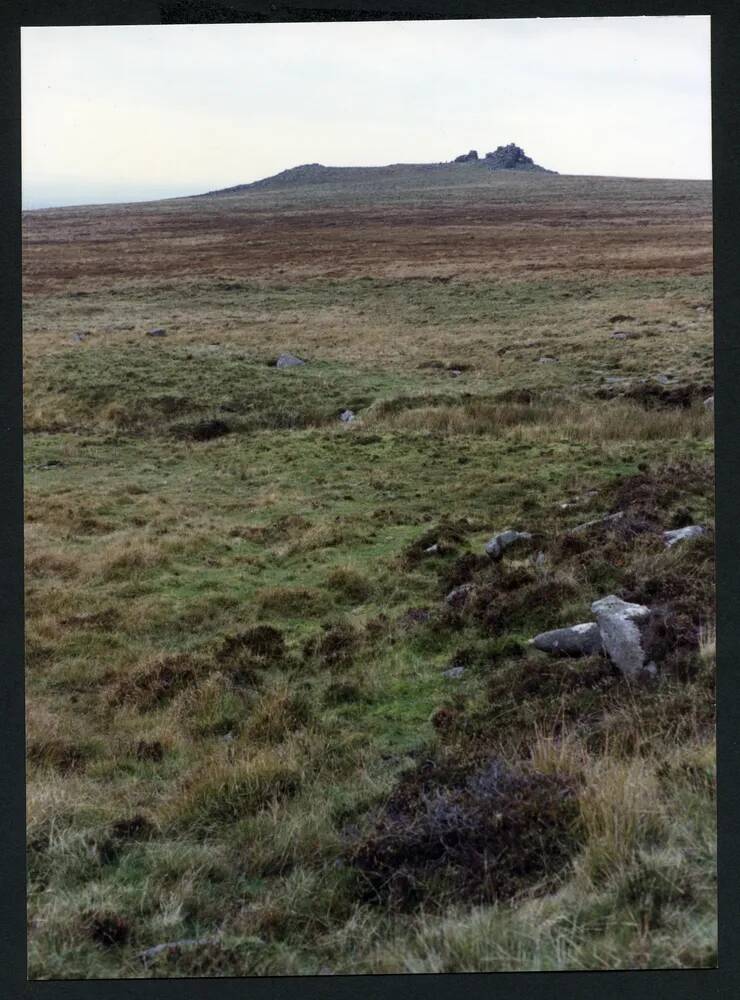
point(150, 554)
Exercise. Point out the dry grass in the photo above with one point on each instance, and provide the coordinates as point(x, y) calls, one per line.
point(533, 423)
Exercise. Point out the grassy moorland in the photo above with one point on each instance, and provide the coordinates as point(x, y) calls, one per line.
point(240, 730)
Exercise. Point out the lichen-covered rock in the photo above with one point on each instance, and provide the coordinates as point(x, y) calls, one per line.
point(576, 640)
point(497, 545)
point(681, 534)
point(621, 625)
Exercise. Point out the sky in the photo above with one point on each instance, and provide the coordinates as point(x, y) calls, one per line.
point(131, 113)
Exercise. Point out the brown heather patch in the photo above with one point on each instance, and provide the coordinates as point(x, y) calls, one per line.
point(158, 679)
point(482, 834)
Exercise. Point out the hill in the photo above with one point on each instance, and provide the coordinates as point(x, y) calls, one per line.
point(509, 158)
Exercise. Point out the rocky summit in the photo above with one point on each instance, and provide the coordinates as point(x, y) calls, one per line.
point(512, 157)
point(509, 157)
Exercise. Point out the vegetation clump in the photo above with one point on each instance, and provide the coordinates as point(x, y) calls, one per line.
point(452, 832)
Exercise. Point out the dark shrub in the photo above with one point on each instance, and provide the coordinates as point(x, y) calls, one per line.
point(450, 832)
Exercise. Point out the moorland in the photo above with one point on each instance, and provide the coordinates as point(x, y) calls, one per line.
point(258, 732)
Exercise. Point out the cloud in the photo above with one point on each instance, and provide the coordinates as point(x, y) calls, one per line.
point(199, 106)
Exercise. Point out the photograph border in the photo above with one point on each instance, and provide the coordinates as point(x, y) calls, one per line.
point(676, 984)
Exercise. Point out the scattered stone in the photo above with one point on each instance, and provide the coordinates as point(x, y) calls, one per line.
point(547, 360)
point(598, 520)
point(454, 673)
point(497, 545)
point(432, 550)
point(709, 403)
point(77, 338)
point(621, 634)
point(680, 534)
point(347, 416)
point(577, 640)
point(539, 560)
point(288, 361)
point(663, 378)
point(173, 948)
point(158, 332)
point(613, 379)
point(460, 596)
point(626, 335)
point(455, 372)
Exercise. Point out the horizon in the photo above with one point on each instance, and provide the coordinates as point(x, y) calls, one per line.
point(333, 166)
point(129, 114)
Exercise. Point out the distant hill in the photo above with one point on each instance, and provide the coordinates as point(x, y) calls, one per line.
point(509, 158)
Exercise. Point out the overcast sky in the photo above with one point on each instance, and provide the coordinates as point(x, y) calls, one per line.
point(134, 113)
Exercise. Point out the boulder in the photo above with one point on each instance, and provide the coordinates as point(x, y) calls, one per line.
point(709, 403)
point(347, 416)
point(546, 359)
point(158, 332)
point(576, 640)
point(680, 534)
point(497, 545)
point(459, 596)
point(621, 626)
point(288, 361)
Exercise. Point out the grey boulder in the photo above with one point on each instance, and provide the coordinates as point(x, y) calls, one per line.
point(497, 545)
point(288, 361)
point(577, 640)
point(709, 403)
point(347, 416)
point(681, 534)
point(158, 332)
point(621, 625)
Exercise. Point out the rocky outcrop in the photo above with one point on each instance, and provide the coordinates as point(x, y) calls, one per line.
point(512, 157)
point(471, 157)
